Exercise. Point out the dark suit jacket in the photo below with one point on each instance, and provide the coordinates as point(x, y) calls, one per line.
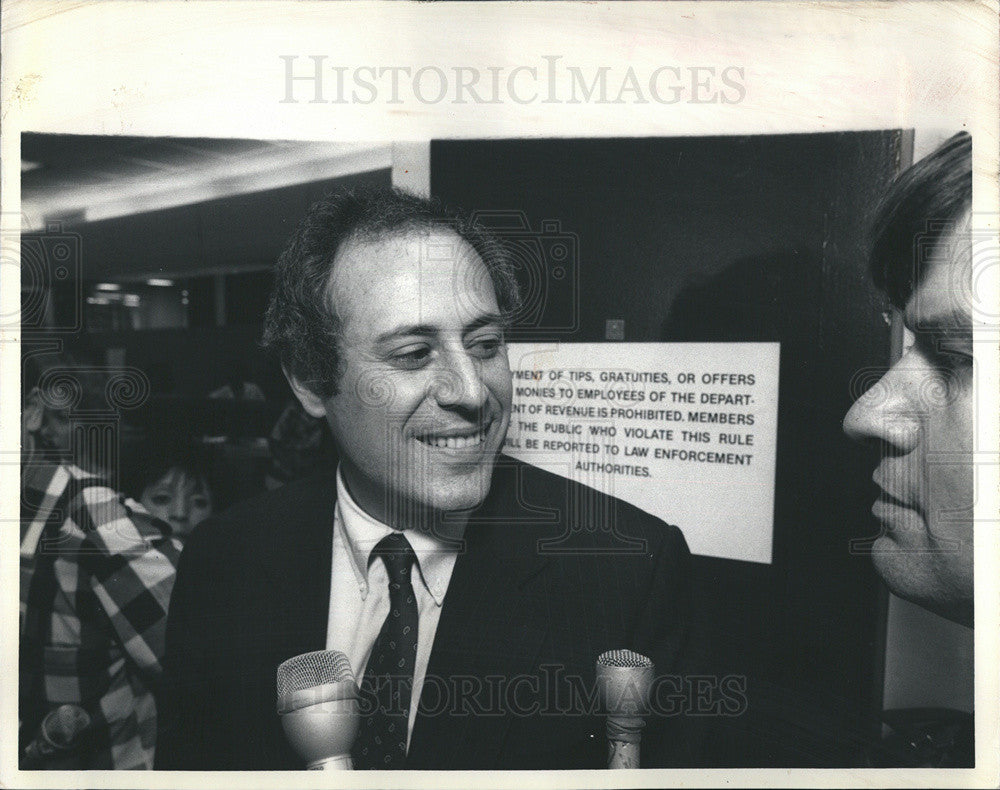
point(551, 575)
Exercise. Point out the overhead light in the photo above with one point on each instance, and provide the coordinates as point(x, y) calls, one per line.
point(131, 300)
point(27, 167)
point(107, 287)
point(98, 300)
point(159, 281)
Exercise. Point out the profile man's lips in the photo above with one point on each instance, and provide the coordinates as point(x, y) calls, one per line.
point(884, 495)
point(889, 509)
point(889, 499)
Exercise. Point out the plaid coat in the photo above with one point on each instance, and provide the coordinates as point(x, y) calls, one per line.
point(96, 576)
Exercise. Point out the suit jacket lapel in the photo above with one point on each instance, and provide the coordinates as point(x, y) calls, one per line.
point(299, 570)
point(493, 624)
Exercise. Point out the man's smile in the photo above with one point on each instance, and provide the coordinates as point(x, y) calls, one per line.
point(455, 438)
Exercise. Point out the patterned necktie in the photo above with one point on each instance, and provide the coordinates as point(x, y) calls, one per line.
point(388, 681)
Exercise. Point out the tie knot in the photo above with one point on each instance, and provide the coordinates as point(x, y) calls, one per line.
point(398, 556)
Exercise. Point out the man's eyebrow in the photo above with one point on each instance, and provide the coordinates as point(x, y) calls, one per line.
point(487, 319)
point(428, 330)
point(406, 330)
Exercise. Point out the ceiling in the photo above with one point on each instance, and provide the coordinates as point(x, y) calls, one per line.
point(181, 207)
point(87, 178)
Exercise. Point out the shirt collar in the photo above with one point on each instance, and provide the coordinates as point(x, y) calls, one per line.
point(361, 533)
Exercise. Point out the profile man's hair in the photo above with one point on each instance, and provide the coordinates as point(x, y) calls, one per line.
point(921, 208)
point(301, 324)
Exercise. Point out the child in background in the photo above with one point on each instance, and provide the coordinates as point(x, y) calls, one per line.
point(172, 484)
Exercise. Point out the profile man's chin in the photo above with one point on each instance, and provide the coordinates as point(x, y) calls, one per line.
point(890, 559)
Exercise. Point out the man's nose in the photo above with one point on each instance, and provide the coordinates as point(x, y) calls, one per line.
point(459, 382)
point(885, 413)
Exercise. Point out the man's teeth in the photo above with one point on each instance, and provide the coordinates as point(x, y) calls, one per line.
point(454, 442)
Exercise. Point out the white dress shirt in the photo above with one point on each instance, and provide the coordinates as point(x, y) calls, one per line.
point(359, 591)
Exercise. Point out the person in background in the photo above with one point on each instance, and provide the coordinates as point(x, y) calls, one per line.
point(300, 445)
point(173, 485)
point(238, 385)
point(97, 574)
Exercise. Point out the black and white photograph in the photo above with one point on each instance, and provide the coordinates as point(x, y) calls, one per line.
point(592, 399)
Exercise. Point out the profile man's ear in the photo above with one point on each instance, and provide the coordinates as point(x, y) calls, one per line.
point(33, 413)
point(311, 402)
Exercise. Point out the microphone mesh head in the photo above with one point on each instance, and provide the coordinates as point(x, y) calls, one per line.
point(313, 669)
point(64, 724)
point(623, 658)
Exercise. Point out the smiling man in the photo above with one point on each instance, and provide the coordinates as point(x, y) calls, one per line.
point(426, 388)
point(471, 593)
point(920, 413)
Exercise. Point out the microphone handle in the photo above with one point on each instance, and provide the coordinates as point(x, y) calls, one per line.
point(339, 762)
point(624, 734)
point(36, 753)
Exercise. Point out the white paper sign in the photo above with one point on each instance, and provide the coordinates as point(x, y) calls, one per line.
point(685, 431)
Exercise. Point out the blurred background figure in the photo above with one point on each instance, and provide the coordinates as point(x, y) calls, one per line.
point(239, 385)
point(300, 445)
point(181, 497)
point(172, 481)
point(96, 577)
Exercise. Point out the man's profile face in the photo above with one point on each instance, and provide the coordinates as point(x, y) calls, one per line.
point(921, 413)
point(425, 388)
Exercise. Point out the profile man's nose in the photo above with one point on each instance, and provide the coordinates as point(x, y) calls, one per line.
point(883, 414)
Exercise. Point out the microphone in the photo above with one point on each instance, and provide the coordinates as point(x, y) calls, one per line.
point(624, 679)
point(318, 705)
point(59, 732)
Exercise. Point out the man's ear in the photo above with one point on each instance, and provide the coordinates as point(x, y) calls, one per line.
point(311, 402)
point(33, 413)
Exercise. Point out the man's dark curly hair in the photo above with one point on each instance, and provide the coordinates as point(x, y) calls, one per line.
point(923, 205)
point(301, 324)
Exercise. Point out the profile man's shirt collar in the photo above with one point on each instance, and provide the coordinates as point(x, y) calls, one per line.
point(436, 554)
